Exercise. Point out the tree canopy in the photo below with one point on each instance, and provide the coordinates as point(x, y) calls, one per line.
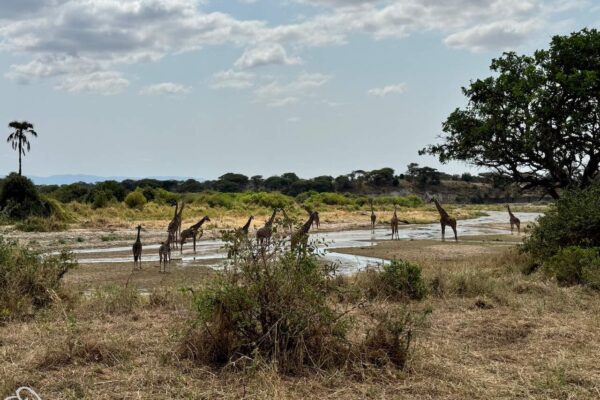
point(537, 120)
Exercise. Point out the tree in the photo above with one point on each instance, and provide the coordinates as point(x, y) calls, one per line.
point(537, 121)
point(18, 138)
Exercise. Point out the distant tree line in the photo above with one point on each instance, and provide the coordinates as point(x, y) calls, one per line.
point(378, 181)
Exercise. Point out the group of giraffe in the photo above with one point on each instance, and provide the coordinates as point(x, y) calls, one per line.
point(263, 235)
point(175, 236)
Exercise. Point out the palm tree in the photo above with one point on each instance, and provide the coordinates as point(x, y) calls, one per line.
point(18, 138)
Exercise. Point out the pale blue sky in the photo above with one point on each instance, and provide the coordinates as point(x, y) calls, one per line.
point(200, 88)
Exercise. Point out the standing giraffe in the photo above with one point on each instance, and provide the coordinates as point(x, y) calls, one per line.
point(394, 223)
point(300, 237)
point(265, 233)
point(172, 228)
point(373, 217)
point(317, 221)
point(192, 232)
point(243, 231)
point(137, 249)
point(514, 221)
point(445, 219)
point(164, 254)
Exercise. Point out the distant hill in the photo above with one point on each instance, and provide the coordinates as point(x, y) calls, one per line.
point(72, 178)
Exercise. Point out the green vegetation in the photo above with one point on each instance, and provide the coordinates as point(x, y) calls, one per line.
point(28, 281)
point(20, 199)
point(399, 280)
point(39, 224)
point(136, 199)
point(275, 309)
point(573, 220)
point(535, 120)
point(576, 265)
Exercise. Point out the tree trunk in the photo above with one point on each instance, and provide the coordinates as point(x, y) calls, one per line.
point(20, 153)
point(553, 193)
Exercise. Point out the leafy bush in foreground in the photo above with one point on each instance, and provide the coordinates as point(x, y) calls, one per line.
point(274, 309)
point(574, 220)
point(274, 306)
point(27, 280)
point(575, 265)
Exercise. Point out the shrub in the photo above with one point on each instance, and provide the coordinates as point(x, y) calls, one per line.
point(27, 280)
point(573, 220)
point(266, 199)
point(391, 338)
point(399, 280)
point(273, 308)
point(101, 199)
point(136, 200)
point(575, 265)
point(20, 199)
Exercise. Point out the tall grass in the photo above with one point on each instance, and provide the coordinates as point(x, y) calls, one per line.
point(27, 280)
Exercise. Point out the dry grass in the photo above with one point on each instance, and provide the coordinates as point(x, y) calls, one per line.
point(493, 334)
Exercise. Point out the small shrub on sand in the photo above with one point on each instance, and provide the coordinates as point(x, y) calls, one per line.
point(136, 199)
point(575, 265)
point(27, 280)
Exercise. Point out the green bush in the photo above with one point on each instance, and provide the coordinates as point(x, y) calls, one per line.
point(20, 199)
point(136, 200)
point(266, 199)
point(403, 279)
point(575, 265)
point(272, 308)
point(573, 220)
point(28, 281)
point(101, 199)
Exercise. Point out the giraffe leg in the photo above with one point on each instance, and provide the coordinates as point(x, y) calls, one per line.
point(443, 231)
point(194, 244)
point(519, 228)
point(455, 235)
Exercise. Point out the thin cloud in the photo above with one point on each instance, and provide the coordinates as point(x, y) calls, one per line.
point(397, 88)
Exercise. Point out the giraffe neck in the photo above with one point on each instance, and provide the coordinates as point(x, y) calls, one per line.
point(245, 227)
point(270, 221)
point(138, 234)
point(509, 211)
point(442, 212)
point(308, 224)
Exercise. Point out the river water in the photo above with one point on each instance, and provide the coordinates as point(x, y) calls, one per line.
point(211, 253)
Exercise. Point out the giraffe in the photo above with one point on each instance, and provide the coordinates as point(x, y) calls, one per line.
point(266, 231)
point(243, 231)
point(514, 221)
point(164, 253)
point(317, 221)
point(300, 237)
point(445, 219)
point(192, 232)
point(394, 223)
point(137, 249)
point(373, 217)
point(172, 228)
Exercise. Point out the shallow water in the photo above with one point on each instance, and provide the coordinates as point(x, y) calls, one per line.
point(210, 252)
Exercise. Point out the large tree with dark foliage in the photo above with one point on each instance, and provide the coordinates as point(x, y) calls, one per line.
point(537, 120)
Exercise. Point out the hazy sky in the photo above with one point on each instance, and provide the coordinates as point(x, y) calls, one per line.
point(200, 88)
